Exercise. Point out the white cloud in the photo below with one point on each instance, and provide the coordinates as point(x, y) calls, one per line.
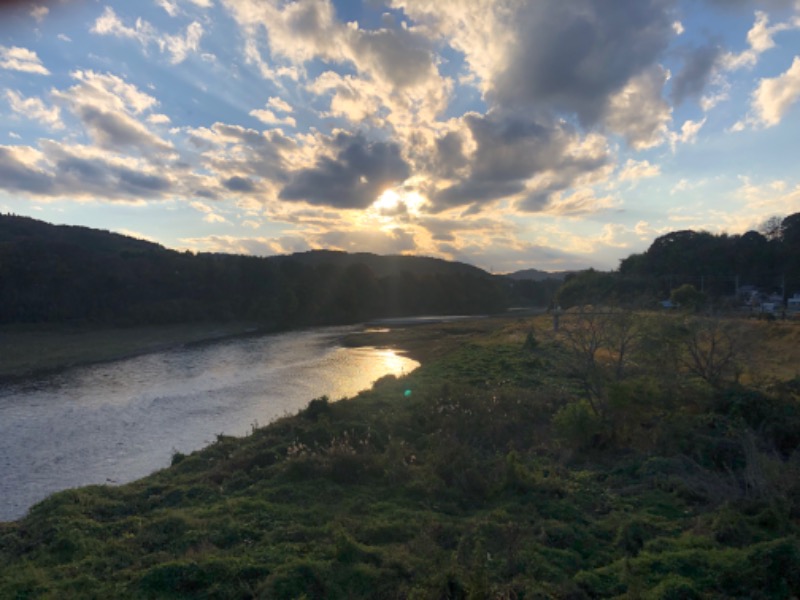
point(633, 170)
point(171, 8)
point(759, 39)
point(178, 46)
point(158, 119)
point(35, 109)
point(15, 58)
point(63, 37)
point(773, 97)
point(279, 104)
point(109, 108)
point(688, 134)
point(268, 117)
point(770, 198)
point(39, 13)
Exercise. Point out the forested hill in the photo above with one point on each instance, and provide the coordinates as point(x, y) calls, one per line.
point(56, 273)
point(717, 266)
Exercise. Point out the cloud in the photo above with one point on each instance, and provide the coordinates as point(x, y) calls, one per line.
point(108, 107)
point(79, 173)
point(268, 117)
point(239, 184)
point(573, 56)
point(231, 151)
point(513, 156)
point(211, 216)
point(256, 246)
point(688, 134)
point(759, 40)
point(20, 171)
point(35, 109)
point(699, 66)
point(158, 119)
point(15, 58)
point(394, 67)
point(770, 198)
point(773, 97)
point(178, 46)
point(353, 177)
point(634, 170)
point(39, 13)
point(279, 104)
point(393, 241)
point(638, 111)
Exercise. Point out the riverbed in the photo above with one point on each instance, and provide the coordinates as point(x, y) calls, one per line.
point(115, 422)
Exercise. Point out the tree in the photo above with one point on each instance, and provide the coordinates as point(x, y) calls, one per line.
point(688, 297)
point(712, 350)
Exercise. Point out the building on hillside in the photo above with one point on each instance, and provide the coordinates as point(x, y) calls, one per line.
point(793, 304)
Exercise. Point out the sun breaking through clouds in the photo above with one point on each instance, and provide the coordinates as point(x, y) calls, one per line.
point(508, 133)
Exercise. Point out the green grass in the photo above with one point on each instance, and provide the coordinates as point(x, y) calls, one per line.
point(467, 488)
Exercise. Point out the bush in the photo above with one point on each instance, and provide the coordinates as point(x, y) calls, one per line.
point(577, 425)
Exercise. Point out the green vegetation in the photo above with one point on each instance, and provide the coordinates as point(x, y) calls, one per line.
point(76, 275)
point(628, 455)
point(704, 269)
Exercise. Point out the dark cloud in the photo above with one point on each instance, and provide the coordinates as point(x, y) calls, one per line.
point(118, 131)
point(510, 151)
point(357, 175)
point(450, 154)
point(136, 183)
point(65, 175)
point(16, 176)
point(698, 67)
point(76, 175)
point(398, 55)
point(257, 153)
point(571, 56)
point(239, 184)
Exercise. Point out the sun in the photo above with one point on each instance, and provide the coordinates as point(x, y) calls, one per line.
point(388, 202)
point(392, 202)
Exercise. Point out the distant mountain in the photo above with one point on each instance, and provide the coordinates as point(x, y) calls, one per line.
point(382, 266)
point(59, 273)
point(537, 275)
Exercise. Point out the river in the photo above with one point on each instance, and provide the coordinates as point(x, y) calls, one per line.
point(116, 422)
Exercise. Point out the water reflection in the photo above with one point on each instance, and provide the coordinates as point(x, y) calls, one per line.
point(120, 421)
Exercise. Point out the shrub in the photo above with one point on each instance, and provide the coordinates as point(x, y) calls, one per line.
point(577, 425)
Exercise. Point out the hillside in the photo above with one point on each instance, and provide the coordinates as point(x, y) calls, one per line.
point(64, 274)
point(537, 275)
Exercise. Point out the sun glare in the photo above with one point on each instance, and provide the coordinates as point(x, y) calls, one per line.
point(393, 202)
point(388, 201)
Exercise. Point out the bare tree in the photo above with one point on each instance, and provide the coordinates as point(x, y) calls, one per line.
point(711, 350)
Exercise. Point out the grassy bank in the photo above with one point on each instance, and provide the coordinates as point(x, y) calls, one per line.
point(508, 466)
point(29, 350)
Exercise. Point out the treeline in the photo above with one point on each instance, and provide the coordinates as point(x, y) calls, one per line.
point(54, 273)
point(716, 265)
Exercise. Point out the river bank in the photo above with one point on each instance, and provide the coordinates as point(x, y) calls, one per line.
point(118, 421)
point(484, 473)
point(35, 350)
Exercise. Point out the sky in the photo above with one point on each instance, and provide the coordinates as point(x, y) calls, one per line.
point(509, 134)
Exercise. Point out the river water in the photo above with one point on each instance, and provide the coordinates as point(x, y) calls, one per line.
point(116, 422)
